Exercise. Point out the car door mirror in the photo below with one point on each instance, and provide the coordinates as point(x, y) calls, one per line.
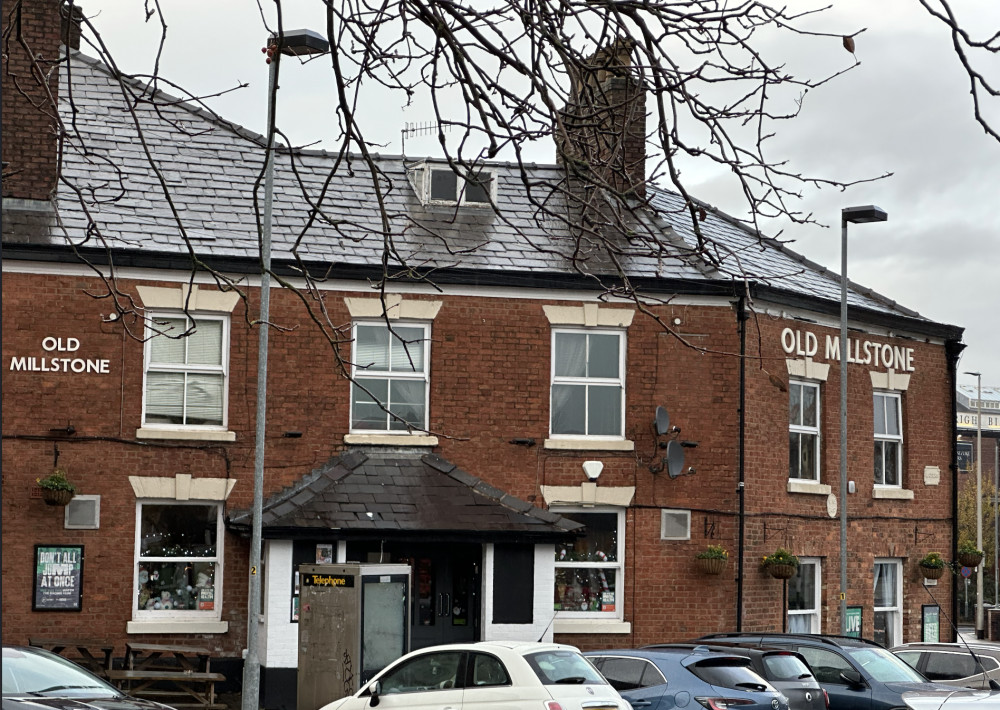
point(852, 677)
point(376, 689)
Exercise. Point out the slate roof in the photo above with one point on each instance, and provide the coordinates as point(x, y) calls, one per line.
point(407, 495)
point(211, 166)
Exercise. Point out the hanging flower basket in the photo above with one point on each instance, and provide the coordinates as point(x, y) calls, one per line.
point(57, 497)
point(931, 572)
point(781, 571)
point(969, 559)
point(968, 554)
point(781, 564)
point(711, 565)
point(56, 488)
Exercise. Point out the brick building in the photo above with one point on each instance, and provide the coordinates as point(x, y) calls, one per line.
point(501, 380)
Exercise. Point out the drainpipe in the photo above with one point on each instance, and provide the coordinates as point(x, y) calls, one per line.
point(741, 318)
point(953, 349)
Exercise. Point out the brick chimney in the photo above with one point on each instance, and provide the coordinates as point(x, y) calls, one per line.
point(33, 31)
point(602, 137)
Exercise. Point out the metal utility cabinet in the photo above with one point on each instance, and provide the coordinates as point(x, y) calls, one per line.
point(353, 622)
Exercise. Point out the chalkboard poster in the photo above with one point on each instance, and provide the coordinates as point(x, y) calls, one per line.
point(58, 578)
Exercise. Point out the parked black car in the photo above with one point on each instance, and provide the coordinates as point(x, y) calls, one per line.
point(783, 668)
point(35, 679)
point(857, 674)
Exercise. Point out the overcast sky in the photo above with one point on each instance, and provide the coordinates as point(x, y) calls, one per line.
point(906, 110)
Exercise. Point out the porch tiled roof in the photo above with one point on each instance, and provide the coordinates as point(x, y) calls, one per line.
point(385, 493)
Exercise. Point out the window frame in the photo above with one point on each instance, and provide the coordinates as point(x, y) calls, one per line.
point(895, 634)
point(816, 612)
point(587, 382)
point(804, 430)
point(618, 565)
point(147, 615)
point(390, 375)
point(152, 332)
point(460, 184)
point(885, 438)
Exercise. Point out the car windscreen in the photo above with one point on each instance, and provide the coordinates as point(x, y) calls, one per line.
point(884, 666)
point(28, 673)
point(732, 673)
point(563, 668)
point(785, 666)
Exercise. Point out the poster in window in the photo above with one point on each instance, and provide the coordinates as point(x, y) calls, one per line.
point(854, 626)
point(58, 578)
point(931, 616)
point(324, 554)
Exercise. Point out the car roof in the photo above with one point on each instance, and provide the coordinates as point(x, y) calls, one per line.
point(750, 649)
point(764, 638)
point(518, 647)
point(672, 651)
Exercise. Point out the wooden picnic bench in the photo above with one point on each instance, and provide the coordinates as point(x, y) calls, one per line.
point(167, 657)
point(176, 688)
point(93, 655)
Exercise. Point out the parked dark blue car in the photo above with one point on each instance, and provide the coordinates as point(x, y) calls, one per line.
point(666, 678)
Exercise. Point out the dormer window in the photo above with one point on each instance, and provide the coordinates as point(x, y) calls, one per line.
point(441, 185)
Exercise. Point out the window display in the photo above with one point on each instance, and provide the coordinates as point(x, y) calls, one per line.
point(177, 560)
point(587, 569)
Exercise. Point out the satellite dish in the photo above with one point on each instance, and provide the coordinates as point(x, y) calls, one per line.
point(675, 459)
point(662, 421)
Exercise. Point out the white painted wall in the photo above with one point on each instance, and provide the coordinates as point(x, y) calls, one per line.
point(280, 637)
point(542, 611)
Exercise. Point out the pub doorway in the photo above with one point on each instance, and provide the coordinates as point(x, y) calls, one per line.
point(444, 589)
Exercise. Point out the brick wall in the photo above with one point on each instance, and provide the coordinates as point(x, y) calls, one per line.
point(30, 51)
point(490, 363)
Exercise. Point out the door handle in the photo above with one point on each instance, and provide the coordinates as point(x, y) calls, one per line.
point(640, 703)
point(447, 605)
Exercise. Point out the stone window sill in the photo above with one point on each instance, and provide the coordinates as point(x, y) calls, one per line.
point(892, 493)
point(590, 626)
point(390, 440)
point(186, 434)
point(589, 445)
point(167, 626)
point(808, 487)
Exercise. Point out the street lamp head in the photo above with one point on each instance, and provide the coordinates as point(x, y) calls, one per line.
point(860, 215)
point(301, 43)
point(974, 374)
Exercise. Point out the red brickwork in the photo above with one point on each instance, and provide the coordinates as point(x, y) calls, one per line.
point(490, 364)
point(30, 50)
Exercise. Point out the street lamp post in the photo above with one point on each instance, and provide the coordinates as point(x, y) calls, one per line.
point(294, 43)
point(979, 499)
point(855, 215)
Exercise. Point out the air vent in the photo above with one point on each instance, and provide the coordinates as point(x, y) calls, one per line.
point(675, 524)
point(83, 513)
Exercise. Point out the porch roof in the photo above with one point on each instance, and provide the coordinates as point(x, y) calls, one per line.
point(401, 495)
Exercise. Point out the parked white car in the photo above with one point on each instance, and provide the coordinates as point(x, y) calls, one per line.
point(499, 675)
point(953, 700)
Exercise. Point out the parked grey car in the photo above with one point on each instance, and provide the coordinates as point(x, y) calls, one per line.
point(783, 668)
point(971, 665)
